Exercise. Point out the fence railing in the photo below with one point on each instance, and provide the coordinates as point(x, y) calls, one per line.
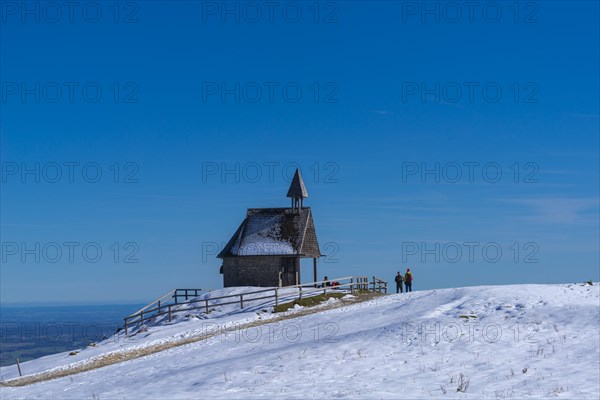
point(379, 285)
point(185, 293)
point(169, 304)
point(166, 298)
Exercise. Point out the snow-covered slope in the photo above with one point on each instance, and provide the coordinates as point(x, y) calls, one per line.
point(522, 341)
point(186, 323)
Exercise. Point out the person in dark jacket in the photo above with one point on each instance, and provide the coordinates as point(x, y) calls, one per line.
point(408, 278)
point(399, 281)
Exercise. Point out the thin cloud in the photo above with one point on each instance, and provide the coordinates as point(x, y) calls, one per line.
point(381, 112)
point(559, 210)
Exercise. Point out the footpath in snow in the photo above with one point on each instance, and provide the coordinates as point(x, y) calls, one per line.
point(519, 341)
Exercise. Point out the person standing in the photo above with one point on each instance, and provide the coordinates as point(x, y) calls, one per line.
point(408, 278)
point(399, 281)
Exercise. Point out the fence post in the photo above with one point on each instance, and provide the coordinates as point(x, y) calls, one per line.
point(175, 296)
point(300, 295)
point(352, 285)
point(125, 326)
point(19, 367)
point(170, 316)
point(206, 305)
point(241, 301)
point(276, 297)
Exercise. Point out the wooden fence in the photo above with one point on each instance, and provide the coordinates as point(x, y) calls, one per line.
point(379, 285)
point(169, 304)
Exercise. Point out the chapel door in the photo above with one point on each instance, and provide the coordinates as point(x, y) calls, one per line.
point(288, 271)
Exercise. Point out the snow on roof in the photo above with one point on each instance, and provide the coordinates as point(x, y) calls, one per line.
point(262, 236)
point(274, 232)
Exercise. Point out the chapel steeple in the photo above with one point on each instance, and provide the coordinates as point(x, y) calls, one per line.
point(297, 191)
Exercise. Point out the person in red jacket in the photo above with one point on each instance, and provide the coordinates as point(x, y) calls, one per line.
point(408, 278)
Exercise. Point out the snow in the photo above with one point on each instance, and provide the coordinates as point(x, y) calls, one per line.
point(519, 341)
point(262, 236)
point(258, 245)
point(184, 325)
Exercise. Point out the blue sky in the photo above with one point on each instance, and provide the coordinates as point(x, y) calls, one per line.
point(400, 117)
